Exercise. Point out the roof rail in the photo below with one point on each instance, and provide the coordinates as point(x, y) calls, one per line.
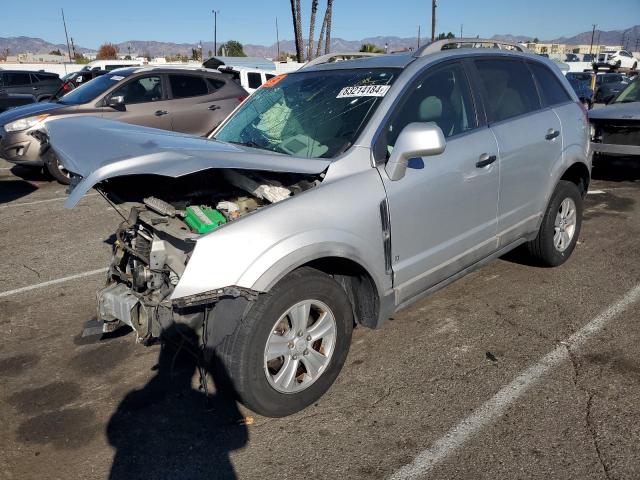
point(451, 43)
point(338, 57)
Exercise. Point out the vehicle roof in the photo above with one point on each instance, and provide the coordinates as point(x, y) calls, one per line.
point(402, 60)
point(164, 69)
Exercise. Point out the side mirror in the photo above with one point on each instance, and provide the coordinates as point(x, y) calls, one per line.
point(415, 140)
point(116, 102)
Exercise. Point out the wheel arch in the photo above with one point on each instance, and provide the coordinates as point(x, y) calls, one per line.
point(351, 272)
point(578, 173)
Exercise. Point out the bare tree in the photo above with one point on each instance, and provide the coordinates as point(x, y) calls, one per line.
point(297, 29)
point(312, 26)
point(327, 45)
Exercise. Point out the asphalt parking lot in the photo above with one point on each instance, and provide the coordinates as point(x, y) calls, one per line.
point(485, 379)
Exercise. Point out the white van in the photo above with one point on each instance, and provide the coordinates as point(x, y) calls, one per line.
point(109, 65)
point(248, 78)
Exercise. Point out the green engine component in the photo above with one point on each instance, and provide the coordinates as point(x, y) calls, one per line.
point(203, 219)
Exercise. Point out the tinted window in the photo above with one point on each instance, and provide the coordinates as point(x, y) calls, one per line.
point(215, 84)
point(15, 79)
point(91, 90)
point(551, 90)
point(268, 76)
point(509, 90)
point(441, 96)
point(254, 80)
point(184, 86)
point(141, 90)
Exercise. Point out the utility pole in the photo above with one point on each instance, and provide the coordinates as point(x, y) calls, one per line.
point(461, 30)
point(215, 32)
point(73, 48)
point(418, 36)
point(277, 41)
point(434, 4)
point(592, 34)
point(65, 33)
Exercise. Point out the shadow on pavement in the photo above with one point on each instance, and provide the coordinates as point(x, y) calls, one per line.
point(168, 429)
point(616, 169)
point(14, 189)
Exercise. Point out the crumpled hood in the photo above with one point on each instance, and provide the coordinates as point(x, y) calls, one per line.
point(28, 111)
point(98, 149)
point(617, 111)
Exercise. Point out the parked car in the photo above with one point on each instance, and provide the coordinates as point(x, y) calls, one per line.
point(581, 84)
point(334, 196)
point(42, 85)
point(249, 78)
point(608, 85)
point(74, 80)
point(110, 65)
point(616, 58)
point(13, 100)
point(615, 129)
point(190, 101)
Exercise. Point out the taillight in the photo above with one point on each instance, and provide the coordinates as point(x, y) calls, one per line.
point(242, 98)
point(66, 87)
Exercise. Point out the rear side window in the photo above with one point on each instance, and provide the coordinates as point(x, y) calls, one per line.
point(215, 84)
point(183, 86)
point(15, 79)
point(254, 80)
point(551, 90)
point(508, 87)
point(269, 76)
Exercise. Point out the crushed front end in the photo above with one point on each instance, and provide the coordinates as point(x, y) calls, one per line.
point(149, 256)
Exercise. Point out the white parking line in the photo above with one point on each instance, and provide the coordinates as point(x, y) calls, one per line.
point(25, 204)
point(495, 407)
point(52, 282)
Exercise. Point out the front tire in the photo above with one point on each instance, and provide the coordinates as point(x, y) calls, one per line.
point(560, 227)
point(55, 169)
point(291, 345)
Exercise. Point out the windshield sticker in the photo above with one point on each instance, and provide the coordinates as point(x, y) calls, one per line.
point(116, 78)
point(270, 83)
point(364, 91)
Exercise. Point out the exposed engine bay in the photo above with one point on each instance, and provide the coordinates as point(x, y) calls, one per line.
point(166, 217)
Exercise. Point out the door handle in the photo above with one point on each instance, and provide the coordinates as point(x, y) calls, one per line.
point(159, 113)
point(485, 160)
point(214, 107)
point(551, 134)
point(34, 88)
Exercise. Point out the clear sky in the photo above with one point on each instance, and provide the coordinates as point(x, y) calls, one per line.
point(92, 22)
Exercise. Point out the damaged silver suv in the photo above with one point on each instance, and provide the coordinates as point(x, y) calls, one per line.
point(332, 197)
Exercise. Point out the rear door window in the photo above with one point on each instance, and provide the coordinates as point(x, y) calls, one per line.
point(17, 79)
point(508, 88)
point(255, 81)
point(214, 84)
point(183, 86)
point(551, 90)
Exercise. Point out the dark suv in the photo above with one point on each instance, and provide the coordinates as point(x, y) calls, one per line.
point(191, 101)
point(41, 85)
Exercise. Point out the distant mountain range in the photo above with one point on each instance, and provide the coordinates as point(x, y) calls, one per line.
point(139, 47)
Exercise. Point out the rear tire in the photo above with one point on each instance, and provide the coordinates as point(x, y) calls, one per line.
point(57, 171)
point(277, 336)
point(560, 227)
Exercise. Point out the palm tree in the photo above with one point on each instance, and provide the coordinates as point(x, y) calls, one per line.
point(312, 25)
point(327, 45)
point(321, 37)
point(297, 29)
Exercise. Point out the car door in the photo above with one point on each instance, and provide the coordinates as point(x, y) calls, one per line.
point(18, 82)
point(199, 103)
point(529, 141)
point(145, 102)
point(443, 212)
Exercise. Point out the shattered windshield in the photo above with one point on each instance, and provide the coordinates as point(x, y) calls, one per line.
point(309, 114)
